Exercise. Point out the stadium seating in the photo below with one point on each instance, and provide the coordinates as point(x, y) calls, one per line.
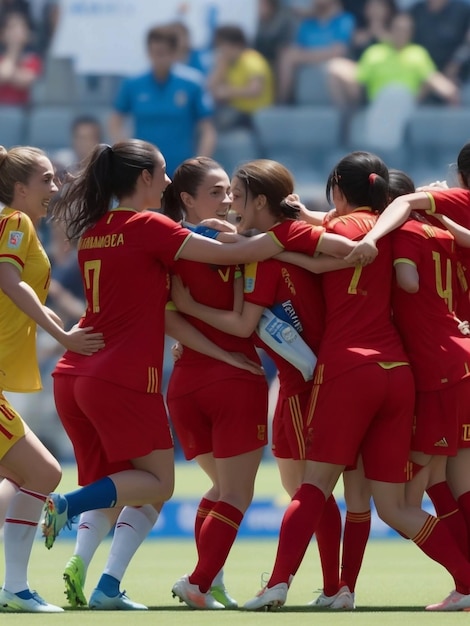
point(311, 86)
point(234, 147)
point(12, 126)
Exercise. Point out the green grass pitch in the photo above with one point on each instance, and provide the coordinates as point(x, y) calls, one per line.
point(396, 581)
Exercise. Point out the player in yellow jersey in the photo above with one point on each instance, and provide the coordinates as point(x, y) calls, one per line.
point(31, 472)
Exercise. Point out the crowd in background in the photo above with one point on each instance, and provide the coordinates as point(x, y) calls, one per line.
point(382, 58)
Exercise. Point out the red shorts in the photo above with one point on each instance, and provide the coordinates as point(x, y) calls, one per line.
point(109, 425)
point(290, 428)
point(435, 428)
point(227, 417)
point(367, 411)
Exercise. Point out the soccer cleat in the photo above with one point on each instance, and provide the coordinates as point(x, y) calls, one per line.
point(193, 596)
point(219, 593)
point(54, 518)
point(99, 601)
point(268, 598)
point(455, 601)
point(342, 599)
point(25, 602)
point(74, 579)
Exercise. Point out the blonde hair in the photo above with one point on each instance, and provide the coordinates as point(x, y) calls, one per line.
point(16, 166)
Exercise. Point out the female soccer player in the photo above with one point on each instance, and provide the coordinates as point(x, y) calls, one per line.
point(26, 187)
point(259, 192)
point(364, 356)
point(124, 254)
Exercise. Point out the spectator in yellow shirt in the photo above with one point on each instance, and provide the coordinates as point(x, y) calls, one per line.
point(241, 81)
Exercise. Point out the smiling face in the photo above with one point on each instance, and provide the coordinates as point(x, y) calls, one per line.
point(243, 206)
point(212, 198)
point(33, 197)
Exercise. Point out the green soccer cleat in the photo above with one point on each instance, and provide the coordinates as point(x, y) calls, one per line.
point(74, 579)
point(54, 519)
point(219, 593)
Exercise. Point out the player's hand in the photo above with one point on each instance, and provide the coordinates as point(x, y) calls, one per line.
point(216, 224)
point(363, 254)
point(437, 184)
point(464, 327)
point(237, 359)
point(331, 214)
point(181, 295)
point(176, 351)
point(83, 341)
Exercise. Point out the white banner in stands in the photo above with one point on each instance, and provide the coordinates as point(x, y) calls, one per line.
point(108, 36)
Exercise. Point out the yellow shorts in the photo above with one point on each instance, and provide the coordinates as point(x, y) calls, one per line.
point(12, 427)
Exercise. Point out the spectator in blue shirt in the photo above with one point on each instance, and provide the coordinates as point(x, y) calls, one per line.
point(169, 105)
point(325, 34)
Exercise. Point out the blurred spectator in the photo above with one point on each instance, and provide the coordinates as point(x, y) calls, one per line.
point(394, 75)
point(326, 34)
point(17, 6)
point(441, 27)
point(201, 60)
point(275, 29)
point(169, 105)
point(86, 132)
point(375, 27)
point(356, 8)
point(241, 82)
point(19, 65)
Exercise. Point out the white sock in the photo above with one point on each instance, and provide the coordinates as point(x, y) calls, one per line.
point(92, 529)
point(20, 527)
point(132, 526)
point(8, 489)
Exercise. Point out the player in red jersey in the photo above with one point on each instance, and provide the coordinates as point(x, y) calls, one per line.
point(26, 188)
point(365, 359)
point(283, 288)
point(125, 254)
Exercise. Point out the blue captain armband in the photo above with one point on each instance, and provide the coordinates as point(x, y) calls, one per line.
point(284, 340)
point(205, 231)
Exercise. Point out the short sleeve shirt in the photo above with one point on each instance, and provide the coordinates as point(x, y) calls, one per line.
point(20, 246)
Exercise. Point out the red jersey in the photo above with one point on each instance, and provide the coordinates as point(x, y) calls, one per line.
point(296, 236)
point(439, 353)
point(124, 260)
point(455, 204)
point(273, 282)
point(359, 327)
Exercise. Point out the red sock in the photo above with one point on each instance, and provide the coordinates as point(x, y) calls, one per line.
point(464, 505)
point(298, 526)
point(216, 537)
point(435, 540)
point(328, 535)
point(448, 511)
point(356, 534)
point(203, 510)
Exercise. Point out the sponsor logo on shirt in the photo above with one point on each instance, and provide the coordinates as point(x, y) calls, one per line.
point(14, 239)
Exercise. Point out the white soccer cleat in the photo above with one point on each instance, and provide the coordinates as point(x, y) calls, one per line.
point(343, 599)
point(25, 602)
point(193, 596)
point(268, 598)
point(455, 601)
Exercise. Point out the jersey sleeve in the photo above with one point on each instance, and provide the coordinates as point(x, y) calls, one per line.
point(16, 232)
point(296, 236)
point(406, 246)
point(261, 283)
point(164, 238)
point(454, 203)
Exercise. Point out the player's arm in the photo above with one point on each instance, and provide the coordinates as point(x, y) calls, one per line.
point(394, 216)
point(239, 323)
point(25, 298)
point(460, 233)
point(181, 330)
point(407, 275)
point(317, 265)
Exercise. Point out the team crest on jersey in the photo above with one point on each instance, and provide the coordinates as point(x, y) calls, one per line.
point(14, 239)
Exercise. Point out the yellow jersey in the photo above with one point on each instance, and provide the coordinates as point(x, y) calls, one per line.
point(20, 246)
point(251, 64)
